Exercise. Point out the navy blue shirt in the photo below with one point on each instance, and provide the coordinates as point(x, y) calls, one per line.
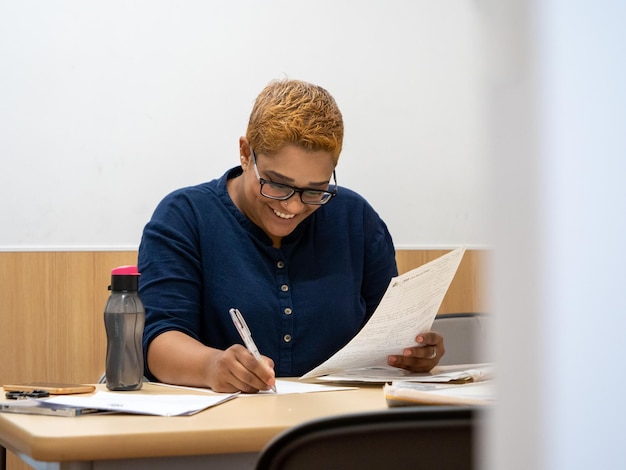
point(200, 256)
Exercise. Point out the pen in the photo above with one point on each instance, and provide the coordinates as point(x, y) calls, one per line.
point(246, 335)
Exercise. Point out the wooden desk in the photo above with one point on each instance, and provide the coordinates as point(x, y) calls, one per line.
point(229, 435)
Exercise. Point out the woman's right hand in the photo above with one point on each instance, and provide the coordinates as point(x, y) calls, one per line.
point(236, 369)
point(178, 359)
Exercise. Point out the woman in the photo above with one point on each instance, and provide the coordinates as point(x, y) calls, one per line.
point(305, 261)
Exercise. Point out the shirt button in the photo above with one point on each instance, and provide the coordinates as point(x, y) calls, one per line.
point(280, 265)
point(287, 338)
point(284, 287)
point(288, 311)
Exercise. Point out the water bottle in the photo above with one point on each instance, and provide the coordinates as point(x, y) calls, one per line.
point(124, 318)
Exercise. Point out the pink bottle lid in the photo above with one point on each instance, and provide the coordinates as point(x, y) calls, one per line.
point(124, 278)
point(125, 271)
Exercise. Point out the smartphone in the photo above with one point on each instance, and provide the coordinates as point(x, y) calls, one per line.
point(50, 387)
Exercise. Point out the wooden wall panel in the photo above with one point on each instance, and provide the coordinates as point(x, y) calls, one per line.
point(467, 290)
point(51, 304)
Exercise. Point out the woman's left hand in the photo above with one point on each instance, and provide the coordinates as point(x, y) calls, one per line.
point(423, 357)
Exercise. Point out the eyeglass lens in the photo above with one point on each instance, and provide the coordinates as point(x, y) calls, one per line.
point(281, 191)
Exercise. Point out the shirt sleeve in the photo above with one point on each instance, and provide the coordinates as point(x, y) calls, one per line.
point(170, 285)
point(380, 260)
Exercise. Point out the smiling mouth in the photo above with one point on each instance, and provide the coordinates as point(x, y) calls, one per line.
point(282, 215)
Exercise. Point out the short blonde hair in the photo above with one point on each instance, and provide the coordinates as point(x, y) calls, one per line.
point(295, 112)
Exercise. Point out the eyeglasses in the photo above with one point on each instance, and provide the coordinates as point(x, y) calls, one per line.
point(282, 192)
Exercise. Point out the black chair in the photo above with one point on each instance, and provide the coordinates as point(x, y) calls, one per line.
point(464, 336)
point(416, 437)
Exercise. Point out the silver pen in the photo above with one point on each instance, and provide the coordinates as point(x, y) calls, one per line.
point(246, 335)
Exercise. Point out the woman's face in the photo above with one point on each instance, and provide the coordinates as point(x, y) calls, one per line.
point(292, 166)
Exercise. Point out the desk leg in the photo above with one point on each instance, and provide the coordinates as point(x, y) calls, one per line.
point(191, 462)
point(38, 465)
point(3, 458)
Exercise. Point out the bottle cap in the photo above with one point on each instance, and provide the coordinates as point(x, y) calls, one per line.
point(125, 270)
point(124, 278)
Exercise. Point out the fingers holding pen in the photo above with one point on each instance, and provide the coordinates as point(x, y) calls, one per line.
point(246, 336)
point(256, 372)
point(236, 369)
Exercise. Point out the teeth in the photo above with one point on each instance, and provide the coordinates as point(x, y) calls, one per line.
point(284, 216)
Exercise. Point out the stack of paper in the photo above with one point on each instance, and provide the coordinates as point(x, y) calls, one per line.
point(411, 393)
point(462, 373)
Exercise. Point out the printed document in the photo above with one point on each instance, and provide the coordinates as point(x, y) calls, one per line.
point(148, 404)
point(407, 309)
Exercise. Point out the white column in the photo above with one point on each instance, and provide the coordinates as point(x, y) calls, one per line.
point(556, 80)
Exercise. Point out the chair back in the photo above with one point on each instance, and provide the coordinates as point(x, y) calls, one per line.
point(464, 337)
point(416, 437)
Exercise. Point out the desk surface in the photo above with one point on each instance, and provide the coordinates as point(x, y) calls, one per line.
point(245, 424)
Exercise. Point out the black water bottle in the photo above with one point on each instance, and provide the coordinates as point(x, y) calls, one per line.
point(124, 318)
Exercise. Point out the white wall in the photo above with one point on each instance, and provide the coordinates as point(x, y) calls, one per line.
point(558, 121)
point(106, 106)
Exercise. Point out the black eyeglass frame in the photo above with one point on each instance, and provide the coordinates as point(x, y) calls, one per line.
point(294, 190)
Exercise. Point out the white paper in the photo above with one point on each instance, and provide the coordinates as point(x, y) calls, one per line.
point(283, 387)
point(160, 405)
point(474, 374)
point(407, 309)
point(286, 387)
point(442, 374)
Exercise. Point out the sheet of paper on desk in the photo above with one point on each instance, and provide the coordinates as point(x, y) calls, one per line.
point(407, 309)
point(286, 387)
point(159, 405)
point(283, 387)
point(461, 373)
